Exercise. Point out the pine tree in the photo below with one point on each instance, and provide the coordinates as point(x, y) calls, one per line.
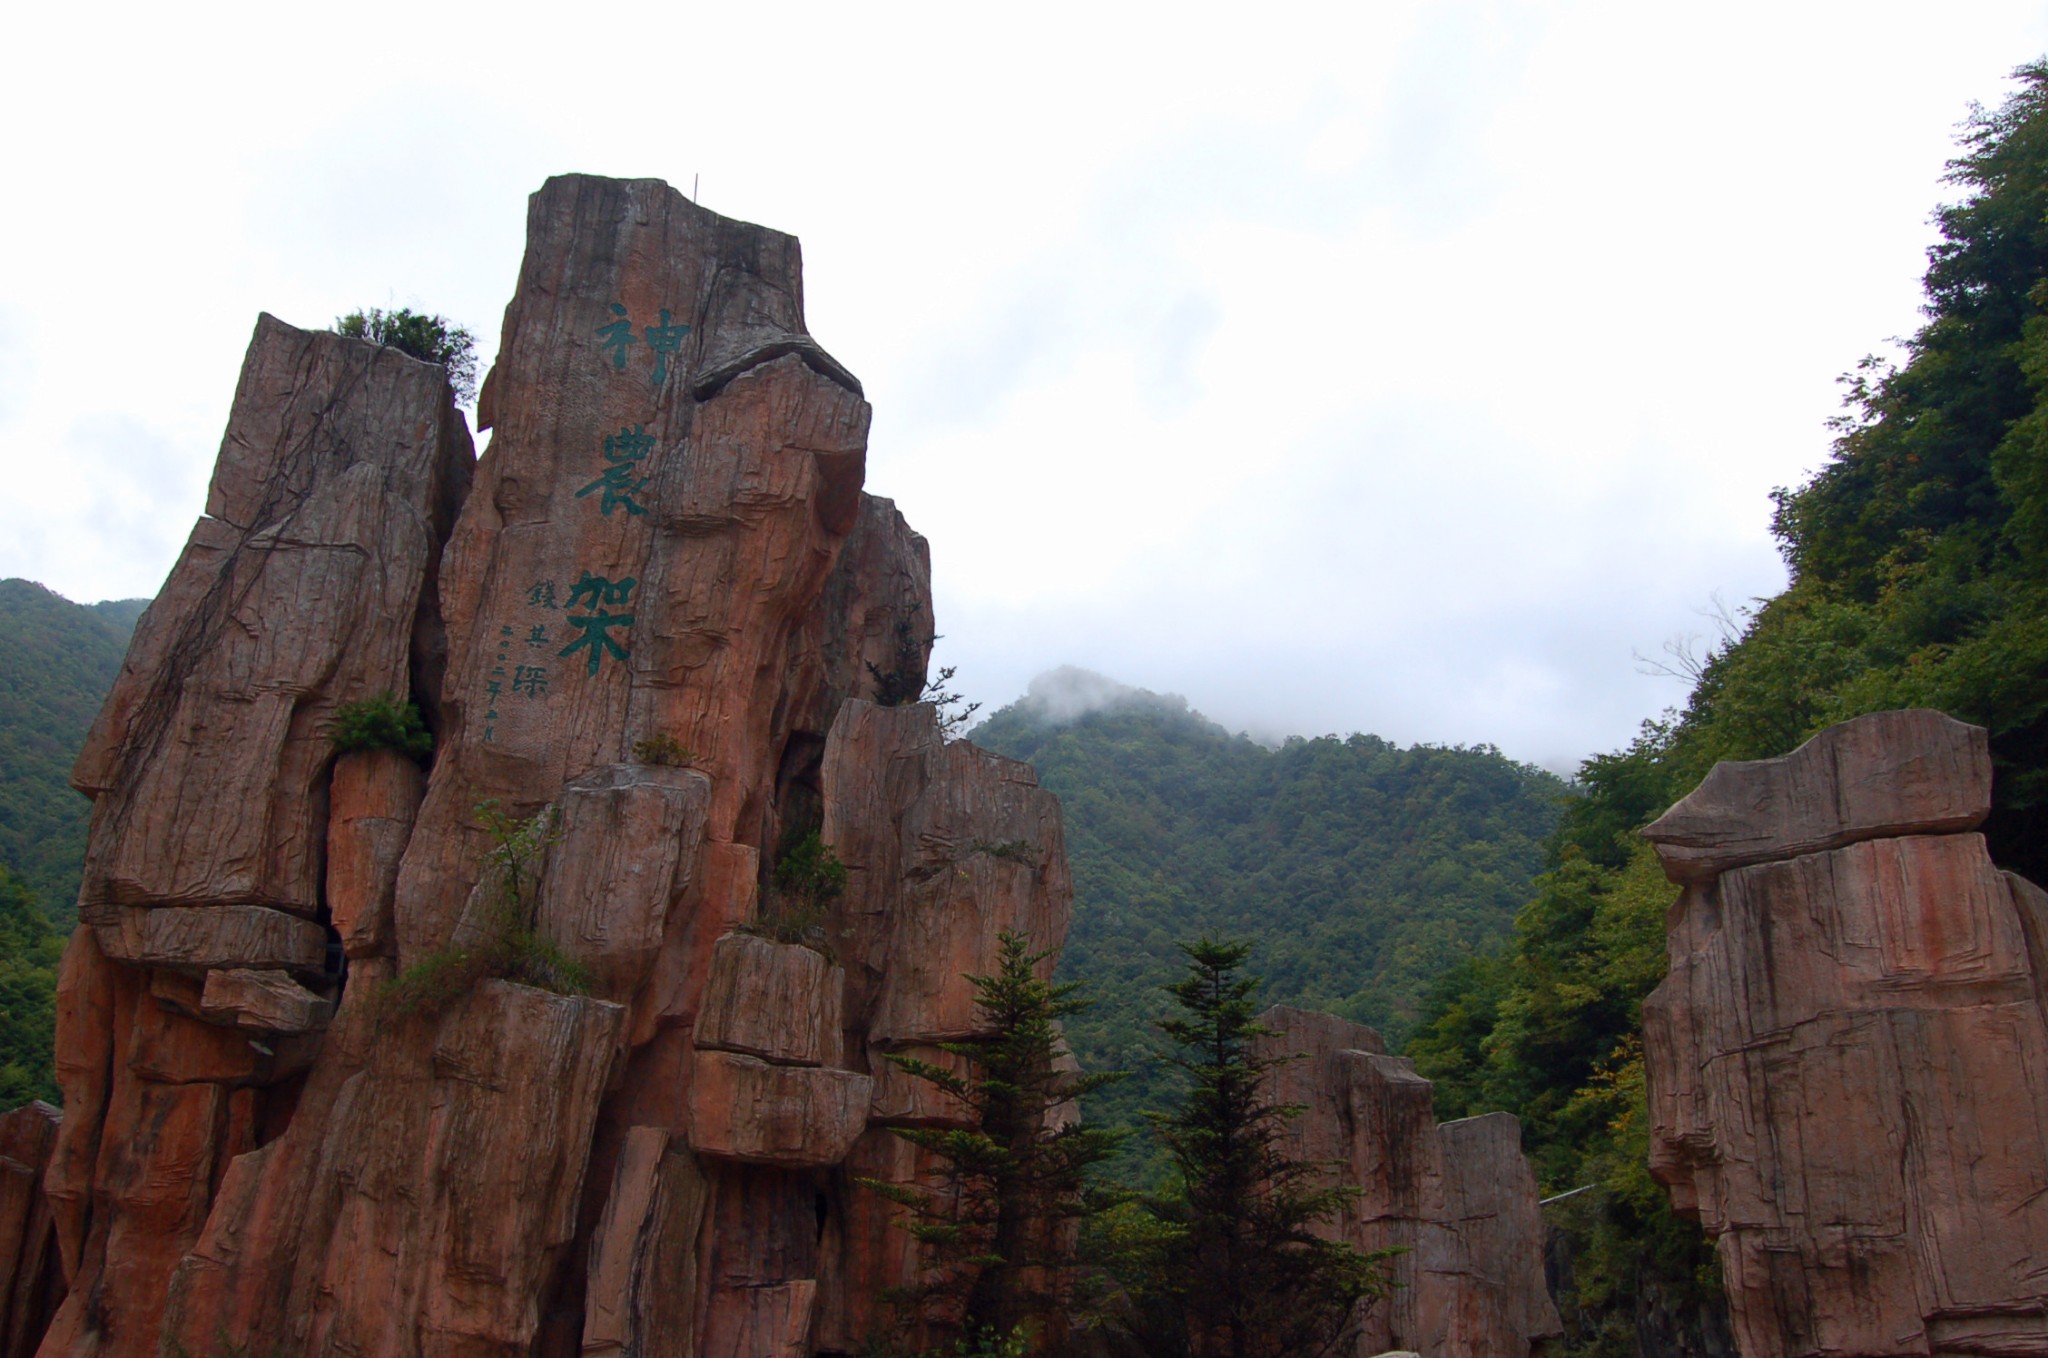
point(1002, 1220)
point(1234, 1267)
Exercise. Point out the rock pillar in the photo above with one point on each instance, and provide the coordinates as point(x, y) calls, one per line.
point(1845, 1059)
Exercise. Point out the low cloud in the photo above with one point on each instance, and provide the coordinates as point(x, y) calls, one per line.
point(1069, 693)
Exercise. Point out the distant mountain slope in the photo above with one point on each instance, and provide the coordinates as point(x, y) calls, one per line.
point(54, 673)
point(1363, 870)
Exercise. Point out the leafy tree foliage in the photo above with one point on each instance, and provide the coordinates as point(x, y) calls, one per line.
point(431, 339)
point(60, 660)
point(1920, 578)
point(1236, 1268)
point(807, 878)
point(1362, 870)
point(29, 953)
point(1000, 1227)
point(381, 722)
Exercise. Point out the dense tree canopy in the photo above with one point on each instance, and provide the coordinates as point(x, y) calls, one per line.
point(1362, 870)
point(29, 951)
point(54, 674)
point(1919, 559)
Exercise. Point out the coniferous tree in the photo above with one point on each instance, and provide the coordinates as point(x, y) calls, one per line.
point(1234, 1267)
point(1001, 1221)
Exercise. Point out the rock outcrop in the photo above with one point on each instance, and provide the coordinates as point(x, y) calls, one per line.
point(32, 1284)
point(1457, 1198)
point(1845, 1059)
point(534, 1051)
point(642, 628)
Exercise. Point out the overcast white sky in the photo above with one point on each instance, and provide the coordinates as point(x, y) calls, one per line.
point(1385, 367)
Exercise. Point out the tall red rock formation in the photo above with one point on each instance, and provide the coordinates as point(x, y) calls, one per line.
point(668, 547)
point(1846, 1058)
point(1457, 1198)
point(310, 1105)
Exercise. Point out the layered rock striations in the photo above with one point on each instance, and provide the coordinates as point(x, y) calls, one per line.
point(534, 1051)
point(1457, 1198)
point(1846, 1060)
point(666, 549)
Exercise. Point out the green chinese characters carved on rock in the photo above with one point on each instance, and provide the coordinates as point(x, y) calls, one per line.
point(663, 340)
point(600, 594)
point(624, 451)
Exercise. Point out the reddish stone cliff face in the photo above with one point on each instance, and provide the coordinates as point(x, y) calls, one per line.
point(1457, 1197)
point(1847, 1059)
point(266, 1147)
point(667, 540)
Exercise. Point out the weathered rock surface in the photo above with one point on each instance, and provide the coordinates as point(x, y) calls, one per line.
point(1458, 1198)
point(645, 1244)
point(778, 1001)
point(904, 1100)
point(31, 1283)
point(668, 544)
point(425, 1189)
point(262, 1001)
point(675, 467)
point(341, 468)
point(200, 938)
point(649, 639)
point(1890, 773)
point(744, 1108)
point(374, 798)
point(625, 851)
point(946, 847)
point(1839, 1056)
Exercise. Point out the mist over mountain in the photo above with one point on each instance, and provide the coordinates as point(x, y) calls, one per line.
point(1361, 869)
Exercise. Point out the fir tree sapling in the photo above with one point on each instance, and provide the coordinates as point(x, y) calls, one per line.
point(1000, 1219)
point(1229, 1264)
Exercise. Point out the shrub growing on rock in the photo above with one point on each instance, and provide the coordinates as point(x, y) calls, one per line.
point(430, 339)
point(381, 723)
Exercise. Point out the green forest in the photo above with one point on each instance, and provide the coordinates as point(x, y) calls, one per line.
point(52, 680)
point(1919, 559)
point(53, 676)
point(1360, 870)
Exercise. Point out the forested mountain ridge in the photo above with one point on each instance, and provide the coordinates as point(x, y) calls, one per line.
point(52, 680)
point(1919, 558)
point(53, 677)
point(1362, 870)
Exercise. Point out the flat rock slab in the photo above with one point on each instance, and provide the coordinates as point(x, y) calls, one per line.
point(1889, 773)
point(782, 1002)
point(905, 1100)
point(743, 1108)
point(263, 1001)
point(200, 938)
